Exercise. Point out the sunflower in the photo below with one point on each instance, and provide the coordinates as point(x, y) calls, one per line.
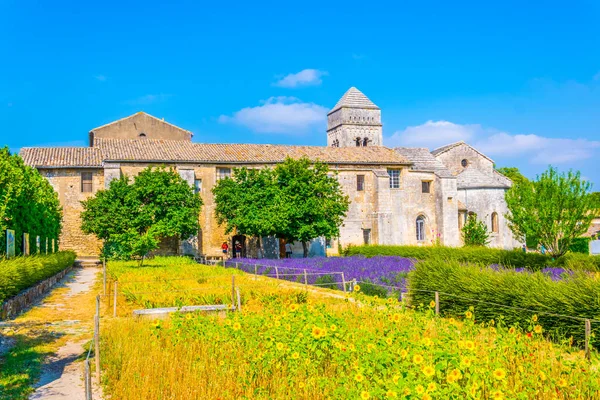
point(469, 314)
point(562, 382)
point(295, 355)
point(512, 330)
point(318, 333)
point(417, 359)
point(420, 389)
point(403, 353)
point(499, 373)
point(236, 326)
point(428, 371)
point(359, 377)
point(333, 328)
point(389, 341)
point(497, 395)
point(395, 318)
point(365, 395)
point(432, 304)
point(357, 289)
point(534, 318)
point(294, 307)
point(469, 345)
point(279, 346)
point(390, 394)
point(538, 329)
point(431, 387)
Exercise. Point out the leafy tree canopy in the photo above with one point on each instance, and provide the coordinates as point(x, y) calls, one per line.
point(513, 174)
point(28, 203)
point(554, 209)
point(297, 201)
point(132, 218)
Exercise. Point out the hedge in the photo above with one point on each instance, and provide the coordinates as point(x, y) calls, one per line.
point(580, 245)
point(463, 286)
point(17, 274)
point(483, 255)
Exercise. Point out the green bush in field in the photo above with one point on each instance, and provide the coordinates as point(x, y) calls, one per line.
point(475, 232)
point(485, 289)
point(580, 245)
point(483, 255)
point(21, 273)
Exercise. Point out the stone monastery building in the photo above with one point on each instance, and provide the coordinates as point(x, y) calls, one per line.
point(398, 196)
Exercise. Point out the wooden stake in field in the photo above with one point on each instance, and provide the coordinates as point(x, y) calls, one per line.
point(232, 291)
point(588, 334)
point(88, 380)
point(437, 303)
point(344, 282)
point(305, 278)
point(115, 302)
point(239, 300)
point(97, 346)
point(104, 274)
point(277, 272)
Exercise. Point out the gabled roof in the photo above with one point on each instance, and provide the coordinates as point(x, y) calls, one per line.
point(172, 151)
point(424, 161)
point(61, 157)
point(472, 178)
point(137, 114)
point(450, 146)
point(354, 98)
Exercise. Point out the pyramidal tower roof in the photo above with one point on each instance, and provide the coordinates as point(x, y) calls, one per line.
point(354, 98)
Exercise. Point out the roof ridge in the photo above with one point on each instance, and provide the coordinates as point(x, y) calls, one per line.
point(353, 98)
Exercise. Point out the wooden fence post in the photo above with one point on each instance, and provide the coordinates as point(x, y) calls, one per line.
point(255, 269)
point(277, 272)
point(588, 333)
point(97, 346)
point(305, 278)
point(437, 303)
point(104, 273)
point(88, 380)
point(239, 300)
point(232, 291)
point(98, 305)
point(236, 265)
point(115, 300)
point(344, 282)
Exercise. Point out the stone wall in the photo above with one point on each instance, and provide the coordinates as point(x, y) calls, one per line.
point(347, 124)
point(452, 159)
point(15, 305)
point(140, 125)
point(67, 183)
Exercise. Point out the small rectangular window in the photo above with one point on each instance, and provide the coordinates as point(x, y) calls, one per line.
point(360, 183)
point(367, 236)
point(223, 173)
point(198, 186)
point(86, 182)
point(394, 178)
point(426, 186)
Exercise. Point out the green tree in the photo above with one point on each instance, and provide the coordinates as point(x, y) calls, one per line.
point(513, 174)
point(132, 218)
point(554, 209)
point(474, 232)
point(297, 201)
point(312, 202)
point(249, 202)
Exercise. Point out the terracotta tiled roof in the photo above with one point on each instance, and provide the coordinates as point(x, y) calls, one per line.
point(171, 150)
point(149, 150)
point(354, 98)
point(472, 178)
point(58, 157)
point(423, 160)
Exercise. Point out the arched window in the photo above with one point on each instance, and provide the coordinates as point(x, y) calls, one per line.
point(358, 142)
point(420, 228)
point(495, 227)
point(464, 163)
point(142, 135)
point(365, 142)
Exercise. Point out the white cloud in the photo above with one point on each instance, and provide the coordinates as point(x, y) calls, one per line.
point(306, 77)
point(147, 99)
point(279, 115)
point(536, 149)
point(100, 78)
point(432, 134)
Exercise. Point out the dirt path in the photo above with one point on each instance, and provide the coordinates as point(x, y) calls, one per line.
point(63, 323)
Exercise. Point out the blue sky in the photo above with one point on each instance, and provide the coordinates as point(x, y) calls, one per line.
point(521, 80)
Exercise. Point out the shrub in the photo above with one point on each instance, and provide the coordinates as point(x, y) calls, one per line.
point(483, 255)
point(23, 272)
point(580, 245)
point(578, 262)
point(464, 286)
point(475, 232)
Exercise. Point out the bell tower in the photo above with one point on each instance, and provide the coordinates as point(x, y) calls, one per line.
point(355, 121)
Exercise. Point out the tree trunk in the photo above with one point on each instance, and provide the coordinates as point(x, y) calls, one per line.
point(305, 249)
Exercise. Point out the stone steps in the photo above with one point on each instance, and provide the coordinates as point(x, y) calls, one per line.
point(87, 262)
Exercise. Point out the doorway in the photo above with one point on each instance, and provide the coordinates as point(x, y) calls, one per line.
point(238, 246)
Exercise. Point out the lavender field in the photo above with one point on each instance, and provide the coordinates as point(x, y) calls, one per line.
point(389, 272)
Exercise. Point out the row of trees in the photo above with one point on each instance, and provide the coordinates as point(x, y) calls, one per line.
point(296, 200)
point(28, 203)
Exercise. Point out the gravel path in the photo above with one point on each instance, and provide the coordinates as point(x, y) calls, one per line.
point(62, 373)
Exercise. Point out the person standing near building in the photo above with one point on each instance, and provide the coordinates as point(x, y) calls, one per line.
point(238, 249)
point(288, 250)
point(225, 249)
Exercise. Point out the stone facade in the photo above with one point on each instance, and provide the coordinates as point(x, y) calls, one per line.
point(397, 196)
